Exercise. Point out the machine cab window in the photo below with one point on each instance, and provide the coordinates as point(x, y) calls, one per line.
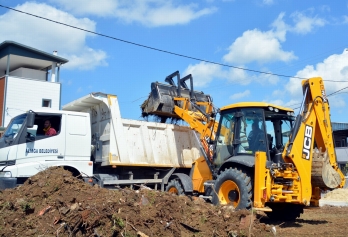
point(245, 131)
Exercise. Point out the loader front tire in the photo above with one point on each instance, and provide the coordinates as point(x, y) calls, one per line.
point(175, 187)
point(233, 187)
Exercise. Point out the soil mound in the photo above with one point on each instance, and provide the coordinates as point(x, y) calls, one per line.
point(340, 194)
point(54, 203)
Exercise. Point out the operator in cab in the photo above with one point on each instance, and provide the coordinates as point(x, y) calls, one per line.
point(255, 136)
point(49, 131)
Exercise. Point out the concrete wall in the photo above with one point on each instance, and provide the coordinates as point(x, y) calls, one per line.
point(29, 73)
point(24, 94)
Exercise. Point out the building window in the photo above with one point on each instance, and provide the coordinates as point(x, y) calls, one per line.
point(46, 103)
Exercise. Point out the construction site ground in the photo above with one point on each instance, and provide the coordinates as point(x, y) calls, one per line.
point(54, 203)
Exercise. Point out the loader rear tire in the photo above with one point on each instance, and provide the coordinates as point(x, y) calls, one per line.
point(285, 212)
point(175, 187)
point(233, 187)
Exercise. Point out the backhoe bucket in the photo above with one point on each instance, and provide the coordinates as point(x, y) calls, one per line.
point(323, 174)
point(161, 99)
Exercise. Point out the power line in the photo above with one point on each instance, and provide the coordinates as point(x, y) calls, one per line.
point(337, 91)
point(157, 49)
point(333, 93)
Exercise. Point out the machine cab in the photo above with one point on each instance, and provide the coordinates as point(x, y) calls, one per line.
point(246, 128)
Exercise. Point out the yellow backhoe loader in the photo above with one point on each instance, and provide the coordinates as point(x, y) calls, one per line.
point(258, 155)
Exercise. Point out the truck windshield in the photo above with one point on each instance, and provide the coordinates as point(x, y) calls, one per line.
point(14, 126)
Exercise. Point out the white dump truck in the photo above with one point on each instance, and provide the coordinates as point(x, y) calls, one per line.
point(95, 143)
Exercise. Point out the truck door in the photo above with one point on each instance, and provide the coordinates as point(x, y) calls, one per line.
point(38, 151)
point(9, 141)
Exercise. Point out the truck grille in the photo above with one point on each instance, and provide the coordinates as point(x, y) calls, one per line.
point(8, 163)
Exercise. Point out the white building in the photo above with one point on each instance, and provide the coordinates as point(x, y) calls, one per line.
point(29, 79)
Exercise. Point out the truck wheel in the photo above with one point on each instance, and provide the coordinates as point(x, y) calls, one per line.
point(175, 187)
point(233, 187)
point(286, 212)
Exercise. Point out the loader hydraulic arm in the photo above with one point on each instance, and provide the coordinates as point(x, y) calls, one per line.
point(179, 101)
point(198, 114)
point(205, 125)
point(311, 145)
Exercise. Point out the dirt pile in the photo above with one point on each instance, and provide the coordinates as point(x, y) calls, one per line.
point(54, 203)
point(340, 194)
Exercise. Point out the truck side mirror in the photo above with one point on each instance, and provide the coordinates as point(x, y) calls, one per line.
point(30, 119)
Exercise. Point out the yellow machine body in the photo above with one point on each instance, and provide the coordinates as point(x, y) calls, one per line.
point(284, 177)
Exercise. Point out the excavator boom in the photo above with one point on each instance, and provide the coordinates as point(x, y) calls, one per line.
point(311, 146)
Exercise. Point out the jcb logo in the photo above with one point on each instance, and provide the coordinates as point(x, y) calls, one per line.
point(324, 96)
point(307, 142)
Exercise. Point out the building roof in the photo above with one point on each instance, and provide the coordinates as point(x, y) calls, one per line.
point(339, 126)
point(25, 56)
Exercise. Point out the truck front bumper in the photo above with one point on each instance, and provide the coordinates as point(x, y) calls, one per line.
point(6, 182)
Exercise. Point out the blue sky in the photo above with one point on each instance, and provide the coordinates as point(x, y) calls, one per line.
point(293, 38)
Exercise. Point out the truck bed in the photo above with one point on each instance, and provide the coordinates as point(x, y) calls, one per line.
point(127, 142)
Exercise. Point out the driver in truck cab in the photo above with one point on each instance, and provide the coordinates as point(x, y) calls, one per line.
point(49, 131)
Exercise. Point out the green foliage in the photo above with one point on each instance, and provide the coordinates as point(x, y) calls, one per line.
point(6, 205)
point(118, 221)
point(26, 206)
point(203, 219)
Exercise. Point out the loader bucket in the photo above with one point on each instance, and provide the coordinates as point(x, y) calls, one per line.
point(161, 98)
point(323, 174)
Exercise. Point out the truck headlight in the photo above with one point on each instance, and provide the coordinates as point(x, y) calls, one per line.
point(6, 174)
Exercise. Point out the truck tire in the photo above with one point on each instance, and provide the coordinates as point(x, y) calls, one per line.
point(285, 212)
point(233, 187)
point(175, 187)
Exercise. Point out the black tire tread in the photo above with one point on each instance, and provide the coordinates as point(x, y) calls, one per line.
point(243, 182)
point(176, 184)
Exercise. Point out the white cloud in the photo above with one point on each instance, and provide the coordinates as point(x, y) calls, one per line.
point(88, 59)
point(334, 67)
point(293, 104)
point(240, 95)
point(89, 7)
point(203, 73)
point(305, 24)
point(325, 8)
point(256, 45)
point(66, 82)
point(260, 46)
point(147, 12)
point(345, 19)
point(275, 102)
point(268, 2)
point(48, 36)
point(265, 46)
point(337, 102)
point(267, 78)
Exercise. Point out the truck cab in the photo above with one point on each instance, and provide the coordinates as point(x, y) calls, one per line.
point(25, 149)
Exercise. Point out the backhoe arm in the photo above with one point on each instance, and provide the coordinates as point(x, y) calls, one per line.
point(311, 145)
